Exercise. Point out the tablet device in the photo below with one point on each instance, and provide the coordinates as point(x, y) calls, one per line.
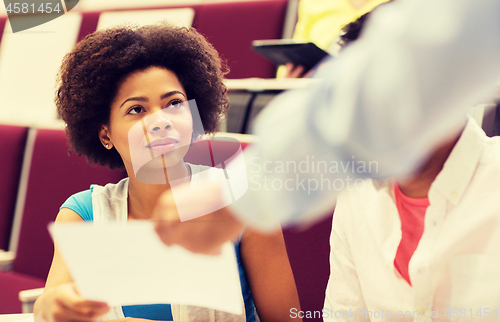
point(283, 51)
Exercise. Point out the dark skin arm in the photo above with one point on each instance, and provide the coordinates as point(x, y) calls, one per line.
point(270, 275)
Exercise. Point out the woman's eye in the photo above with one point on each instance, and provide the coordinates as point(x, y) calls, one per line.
point(135, 110)
point(176, 103)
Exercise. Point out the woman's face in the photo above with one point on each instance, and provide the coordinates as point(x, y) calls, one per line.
point(150, 122)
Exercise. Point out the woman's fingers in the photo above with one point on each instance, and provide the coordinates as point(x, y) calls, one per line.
point(72, 300)
point(64, 304)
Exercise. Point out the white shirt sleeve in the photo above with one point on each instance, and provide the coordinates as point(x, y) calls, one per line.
point(390, 98)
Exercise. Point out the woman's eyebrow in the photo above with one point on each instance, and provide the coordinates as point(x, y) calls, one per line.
point(137, 98)
point(172, 93)
point(145, 99)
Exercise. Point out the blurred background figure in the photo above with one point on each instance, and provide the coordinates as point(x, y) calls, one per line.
point(321, 22)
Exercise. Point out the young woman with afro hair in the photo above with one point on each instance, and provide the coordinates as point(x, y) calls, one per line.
point(125, 76)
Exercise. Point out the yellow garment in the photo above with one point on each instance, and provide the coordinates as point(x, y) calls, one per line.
point(320, 21)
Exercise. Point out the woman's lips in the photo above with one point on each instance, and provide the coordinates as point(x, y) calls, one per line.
point(162, 145)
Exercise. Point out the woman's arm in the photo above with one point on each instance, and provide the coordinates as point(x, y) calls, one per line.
point(61, 302)
point(270, 275)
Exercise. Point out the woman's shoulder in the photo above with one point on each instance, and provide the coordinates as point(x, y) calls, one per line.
point(81, 203)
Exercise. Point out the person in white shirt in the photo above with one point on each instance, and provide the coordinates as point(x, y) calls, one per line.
point(383, 226)
point(422, 248)
point(392, 97)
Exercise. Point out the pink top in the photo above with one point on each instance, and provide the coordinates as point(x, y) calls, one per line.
point(412, 214)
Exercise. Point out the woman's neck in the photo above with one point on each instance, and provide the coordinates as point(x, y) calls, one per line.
point(142, 197)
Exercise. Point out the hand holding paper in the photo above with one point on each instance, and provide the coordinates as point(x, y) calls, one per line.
point(64, 303)
point(128, 264)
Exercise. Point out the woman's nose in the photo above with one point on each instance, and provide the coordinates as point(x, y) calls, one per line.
point(159, 122)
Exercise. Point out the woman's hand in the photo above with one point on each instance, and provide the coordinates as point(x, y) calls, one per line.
point(63, 303)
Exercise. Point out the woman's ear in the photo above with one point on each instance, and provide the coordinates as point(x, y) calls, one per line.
point(104, 137)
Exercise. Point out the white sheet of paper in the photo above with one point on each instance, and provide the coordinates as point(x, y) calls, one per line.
point(129, 265)
point(24, 317)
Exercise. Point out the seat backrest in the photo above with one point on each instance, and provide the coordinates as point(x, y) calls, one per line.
point(180, 16)
point(232, 26)
point(218, 149)
point(29, 62)
point(309, 254)
point(49, 177)
point(108, 5)
point(12, 143)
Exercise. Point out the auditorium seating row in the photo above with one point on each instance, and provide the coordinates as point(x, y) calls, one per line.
point(38, 174)
point(30, 59)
